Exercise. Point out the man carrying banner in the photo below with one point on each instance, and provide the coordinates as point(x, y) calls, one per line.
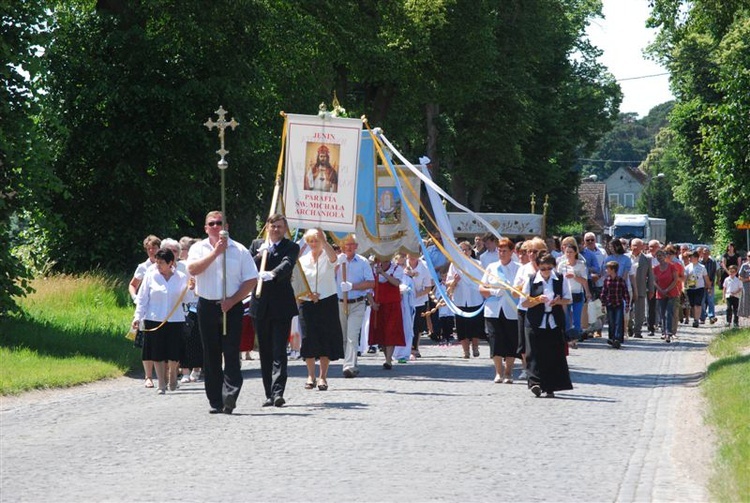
point(274, 309)
point(355, 278)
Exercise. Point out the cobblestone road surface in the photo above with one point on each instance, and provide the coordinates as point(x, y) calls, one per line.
point(437, 429)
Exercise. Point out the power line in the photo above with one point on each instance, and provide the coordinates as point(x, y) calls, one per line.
point(643, 77)
point(610, 160)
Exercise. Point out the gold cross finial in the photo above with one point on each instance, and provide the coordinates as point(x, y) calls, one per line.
point(221, 125)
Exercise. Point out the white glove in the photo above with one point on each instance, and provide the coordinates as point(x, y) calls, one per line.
point(424, 160)
point(263, 247)
point(495, 292)
point(346, 286)
point(266, 275)
point(341, 259)
point(403, 288)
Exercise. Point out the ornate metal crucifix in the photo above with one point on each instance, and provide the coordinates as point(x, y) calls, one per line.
point(221, 125)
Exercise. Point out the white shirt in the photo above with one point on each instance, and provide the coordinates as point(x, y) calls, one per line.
point(521, 278)
point(694, 276)
point(421, 279)
point(358, 269)
point(157, 296)
point(488, 257)
point(549, 292)
point(466, 292)
point(140, 271)
point(579, 269)
point(321, 276)
point(732, 287)
point(505, 302)
point(240, 268)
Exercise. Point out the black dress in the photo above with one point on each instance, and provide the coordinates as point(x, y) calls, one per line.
point(546, 364)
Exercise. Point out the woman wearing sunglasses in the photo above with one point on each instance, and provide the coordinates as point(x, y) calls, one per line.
point(548, 294)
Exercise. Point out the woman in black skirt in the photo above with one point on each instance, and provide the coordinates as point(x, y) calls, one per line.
point(466, 296)
point(546, 365)
point(322, 338)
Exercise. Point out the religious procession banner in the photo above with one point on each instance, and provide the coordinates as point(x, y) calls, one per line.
point(320, 176)
point(382, 227)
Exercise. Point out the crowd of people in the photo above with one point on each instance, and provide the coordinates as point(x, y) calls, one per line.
point(535, 301)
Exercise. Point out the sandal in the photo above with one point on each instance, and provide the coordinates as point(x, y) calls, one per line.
point(323, 386)
point(149, 383)
point(310, 384)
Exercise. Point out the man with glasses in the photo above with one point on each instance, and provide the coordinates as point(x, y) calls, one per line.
point(594, 258)
point(206, 264)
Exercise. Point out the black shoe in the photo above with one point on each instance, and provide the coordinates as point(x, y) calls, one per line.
point(387, 366)
point(279, 401)
point(696, 324)
point(609, 341)
point(230, 402)
point(216, 410)
point(348, 373)
point(227, 410)
point(616, 344)
point(549, 394)
point(268, 402)
point(638, 336)
point(371, 350)
point(536, 390)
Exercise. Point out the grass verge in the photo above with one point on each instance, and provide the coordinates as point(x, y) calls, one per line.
point(726, 387)
point(72, 331)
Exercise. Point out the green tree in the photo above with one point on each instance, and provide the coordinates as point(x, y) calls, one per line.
point(704, 45)
point(25, 180)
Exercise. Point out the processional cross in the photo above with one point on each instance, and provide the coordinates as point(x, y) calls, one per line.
point(221, 125)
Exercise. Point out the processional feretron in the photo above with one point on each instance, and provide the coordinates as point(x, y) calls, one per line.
point(221, 125)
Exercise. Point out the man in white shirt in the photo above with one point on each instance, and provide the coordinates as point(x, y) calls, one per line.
point(490, 253)
point(352, 293)
point(206, 264)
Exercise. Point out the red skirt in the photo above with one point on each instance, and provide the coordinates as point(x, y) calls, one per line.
point(247, 339)
point(386, 324)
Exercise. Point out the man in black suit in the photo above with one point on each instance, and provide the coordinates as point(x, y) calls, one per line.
point(274, 309)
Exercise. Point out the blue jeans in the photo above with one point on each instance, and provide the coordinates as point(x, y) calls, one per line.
point(615, 320)
point(573, 320)
point(666, 309)
point(708, 310)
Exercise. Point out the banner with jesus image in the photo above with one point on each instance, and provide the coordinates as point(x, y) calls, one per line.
point(320, 181)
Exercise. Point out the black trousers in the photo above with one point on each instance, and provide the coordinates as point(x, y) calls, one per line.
point(222, 385)
point(273, 334)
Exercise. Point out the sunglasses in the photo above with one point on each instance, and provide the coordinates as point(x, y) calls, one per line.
point(590, 240)
point(214, 223)
point(533, 251)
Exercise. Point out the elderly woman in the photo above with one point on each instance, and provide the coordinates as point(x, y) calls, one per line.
point(500, 312)
point(319, 312)
point(466, 297)
point(546, 296)
point(667, 292)
point(159, 307)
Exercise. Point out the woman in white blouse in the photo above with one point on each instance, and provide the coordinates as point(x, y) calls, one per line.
point(466, 296)
point(322, 338)
point(162, 290)
point(573, 268)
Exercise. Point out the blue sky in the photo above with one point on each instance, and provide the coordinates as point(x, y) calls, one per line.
point(623, 35)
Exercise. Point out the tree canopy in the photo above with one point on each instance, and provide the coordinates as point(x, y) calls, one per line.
point(705, 45)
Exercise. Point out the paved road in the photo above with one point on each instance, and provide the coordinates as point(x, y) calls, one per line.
point(438, 429)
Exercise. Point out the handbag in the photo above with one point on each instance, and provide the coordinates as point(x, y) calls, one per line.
point(594, 310)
